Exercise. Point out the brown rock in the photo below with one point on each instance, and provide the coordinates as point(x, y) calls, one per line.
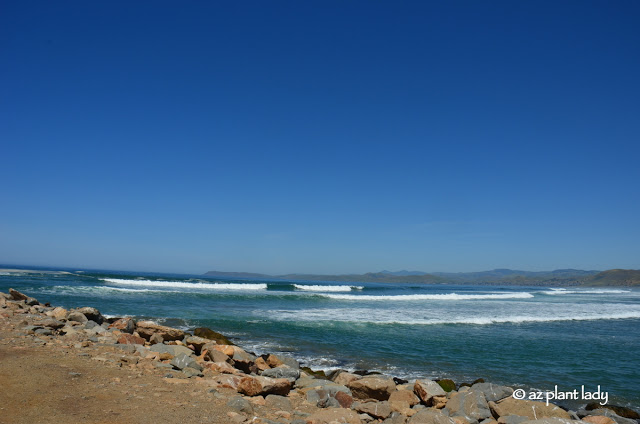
point(372, 387)
point(375, 409)
point(344, 399)
point(527, 408)
point(404, 396)
point(147, 329)
point(345, 378)
point(430, 416)
point(334, 415)
point(426, 390)
point(253, 386)
point(598, 419)
point(262, 364)
point(126, 325)
point(155, 339)
point(16, 295)
point(228, 381)
point(126, 338)
point(208, 333)
point(216, 356)
point(273, 361)
point(221, 367)
point(58, 313)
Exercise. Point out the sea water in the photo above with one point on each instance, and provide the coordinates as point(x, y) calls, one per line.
point(534, 338)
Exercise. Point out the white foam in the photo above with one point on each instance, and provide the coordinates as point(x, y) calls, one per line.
point(408, 317)
point(185, 285)
point(448, 296)
point(320, 288)
point(585, 291)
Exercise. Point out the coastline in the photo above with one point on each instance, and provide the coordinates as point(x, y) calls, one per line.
point(190, 377)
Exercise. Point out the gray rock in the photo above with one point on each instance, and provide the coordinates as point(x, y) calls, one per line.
point(493, 392)
point(174, 350)
point(512, 419)
point(240, 404)
point(43, 332)
point(77, 317)
point(282, 372)
point(380, 410)
point(395, 418)
point(280, 403)
point(52, 323)
point(162, 365)
point(182, 361)
point(192, 372)
point(92, 314)
point(90, 324)
point(470, 405)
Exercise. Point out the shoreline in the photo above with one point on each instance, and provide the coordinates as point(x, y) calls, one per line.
point(247, 388)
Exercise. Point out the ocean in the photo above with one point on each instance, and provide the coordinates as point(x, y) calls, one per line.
point(533, 338)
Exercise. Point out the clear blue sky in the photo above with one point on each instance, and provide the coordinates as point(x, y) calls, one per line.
point(321, 137)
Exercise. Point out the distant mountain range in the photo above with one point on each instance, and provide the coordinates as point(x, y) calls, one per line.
point(559, 277)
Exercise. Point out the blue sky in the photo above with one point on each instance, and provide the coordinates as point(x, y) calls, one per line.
point(321, 137)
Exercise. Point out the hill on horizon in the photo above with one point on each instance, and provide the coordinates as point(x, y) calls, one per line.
point(559, 277)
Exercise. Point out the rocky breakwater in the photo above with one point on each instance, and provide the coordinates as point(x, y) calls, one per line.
point(272, 388)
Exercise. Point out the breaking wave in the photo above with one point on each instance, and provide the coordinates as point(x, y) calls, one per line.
point(321, 288)
point(448, 296)
point(186, 285)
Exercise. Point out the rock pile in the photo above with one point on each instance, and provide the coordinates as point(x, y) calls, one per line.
point(274, 389)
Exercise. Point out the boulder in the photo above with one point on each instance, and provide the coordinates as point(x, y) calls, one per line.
point(126, 325)
point(173, 350)
point(148, 328)
point(512, 419)
point(16, 295)
point(610, 414)
point(316, 374)
point(52, 323)
point(278, 360)
point(344, 399)
point(221, 367)
point(598, 419)
point(470, 405)
point(493, 392)
point(376, 387)
point(426, 390)
point(380, 410)
point(92, 314)
point(322, 398)
point(621, 411)
point(282, 371)
point(279, 403)
point(334, 415)
point(126, 338)
point(254, 386)
point(156, 339)
point(526, 408)
point(182, 361)
point(553, 421)
point(240, 404)
point(196, 342)
point(57, 313)
point(447, 384)
point(261, 364)
point(208, 333)
point(216, 356)
point(404, 396)
point(77, 317)
point(430, 416)
point(345, 378)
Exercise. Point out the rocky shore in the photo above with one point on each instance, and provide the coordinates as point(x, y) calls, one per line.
point(59, 365)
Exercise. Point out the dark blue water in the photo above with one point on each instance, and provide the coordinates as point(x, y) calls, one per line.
point(521, 336)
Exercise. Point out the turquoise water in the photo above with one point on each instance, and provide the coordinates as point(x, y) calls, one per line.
point(530, 337)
